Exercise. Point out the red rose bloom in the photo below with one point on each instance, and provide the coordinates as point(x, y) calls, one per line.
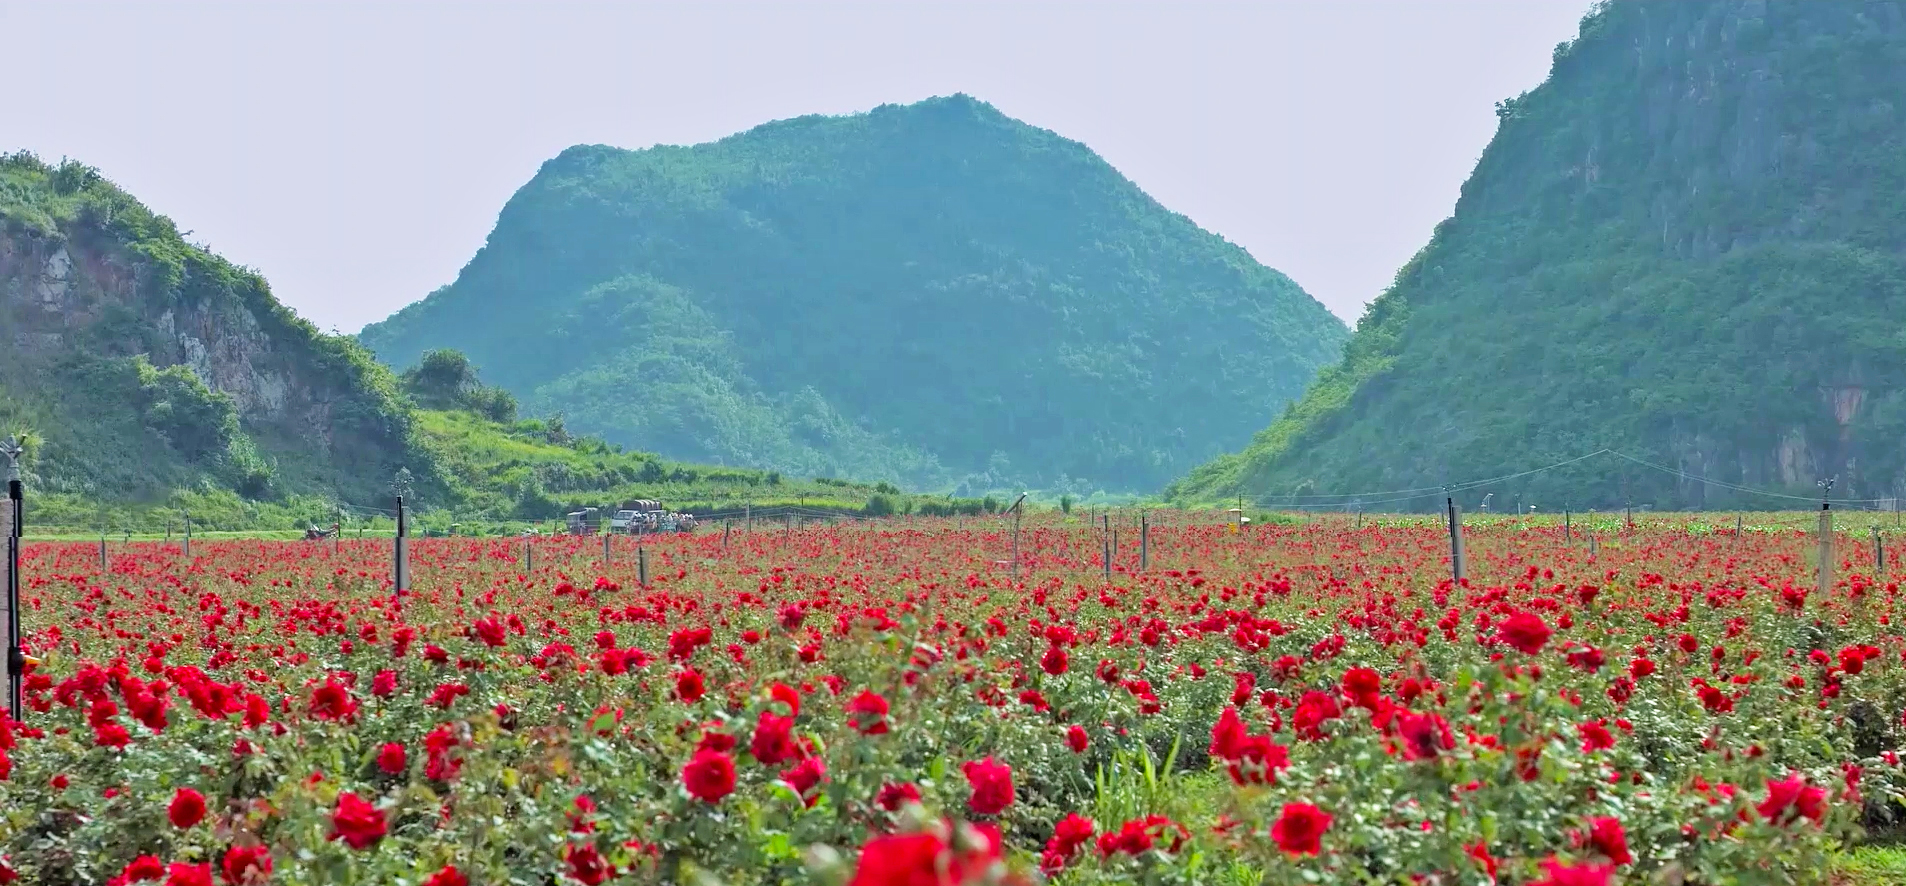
point(867, 713)
point(1069, 834)
point(586, 865)
point(1140, 835)
point(1055, 661)
point(804, 776)
point(786, 695)
point(331, 701)
point(1525, 631)
point(186, 809)
point(449, 876)
point(1076, 739)
point(900, 860)
point(111, 735)
point(359, 824)
point(709, 776)
point(1300, 829)
point(1793, 792)
point(893, 796)
point(1425, 736)
point(1560, 874)
point(145, 867)
point(489, 630)
point(689, 686)
point(1227, 735)
point(773, 739)
point(180, 873)
point(391, 758)
point(246, 865)
point(1609, 838)
point(925, 859)
point(1361, 686)
point(1595, 736)
point(992, 783)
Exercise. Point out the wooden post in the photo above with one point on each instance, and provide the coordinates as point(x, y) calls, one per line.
point(605, 548)
point(642, 566)
point(1567, 534)
point(1105, 538)
point(1144, 542)
point(187, 550)
point(726, 524)
point(1879, 553)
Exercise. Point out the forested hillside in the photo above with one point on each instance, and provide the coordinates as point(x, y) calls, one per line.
point(932, 294)
point(138, 363)
point(1685, 245)
point(149, 377)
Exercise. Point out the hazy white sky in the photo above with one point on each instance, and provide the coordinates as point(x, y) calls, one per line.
point(357, 153)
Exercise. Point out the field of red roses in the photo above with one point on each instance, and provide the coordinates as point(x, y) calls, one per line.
point(1310, 703)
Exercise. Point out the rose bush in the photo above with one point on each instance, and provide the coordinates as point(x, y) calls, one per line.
point(888, 705)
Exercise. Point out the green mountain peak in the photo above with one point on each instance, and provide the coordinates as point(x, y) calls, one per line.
point(934, 294)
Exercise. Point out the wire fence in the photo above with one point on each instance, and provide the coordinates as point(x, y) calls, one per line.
point(1401, 499)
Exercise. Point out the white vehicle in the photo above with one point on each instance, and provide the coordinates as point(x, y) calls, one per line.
point(636, 517)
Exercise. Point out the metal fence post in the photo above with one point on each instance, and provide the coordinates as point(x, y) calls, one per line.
point(1144, 542)
point(1825, 579)
point(1455, 541)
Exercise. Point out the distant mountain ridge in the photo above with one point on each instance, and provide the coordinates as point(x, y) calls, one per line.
point(932, 293)
point(1688, 244)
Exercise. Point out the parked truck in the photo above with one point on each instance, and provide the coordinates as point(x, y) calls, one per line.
point(584, 522)
point(646, 516)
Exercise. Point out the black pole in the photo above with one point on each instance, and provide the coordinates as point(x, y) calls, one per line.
point(16, 660)
point(401, 575)
point(1456, 570)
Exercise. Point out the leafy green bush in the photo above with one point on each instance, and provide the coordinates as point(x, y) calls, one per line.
point(199, 422)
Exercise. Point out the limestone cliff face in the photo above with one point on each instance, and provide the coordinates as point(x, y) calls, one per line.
point(93, 286)
point(55, 292)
